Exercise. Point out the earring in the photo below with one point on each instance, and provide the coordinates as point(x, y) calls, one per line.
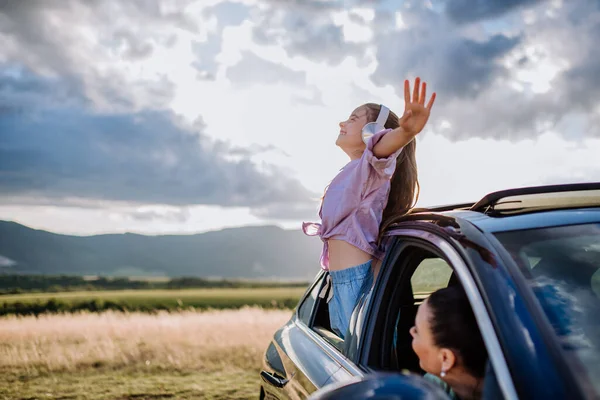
point(443, 374)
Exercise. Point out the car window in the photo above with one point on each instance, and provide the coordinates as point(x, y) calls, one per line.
point(417, 272)
point(320, 321)
point(307, 305)
point(562, 267)
point(431, 274)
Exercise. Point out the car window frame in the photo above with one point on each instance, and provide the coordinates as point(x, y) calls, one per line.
point(409, 236)
point(317, 281)
point(330, 337)
point(327, 334)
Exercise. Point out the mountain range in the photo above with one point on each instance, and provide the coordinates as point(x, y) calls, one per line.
point(265, 252)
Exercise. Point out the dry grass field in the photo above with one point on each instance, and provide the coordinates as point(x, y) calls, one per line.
point(111, 355)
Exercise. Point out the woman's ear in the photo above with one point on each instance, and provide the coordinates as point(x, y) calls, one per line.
point(447, 359)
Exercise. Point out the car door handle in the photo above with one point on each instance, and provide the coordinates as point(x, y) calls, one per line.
point(274, 380)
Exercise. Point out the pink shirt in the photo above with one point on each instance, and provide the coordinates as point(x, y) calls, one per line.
point(354, 202)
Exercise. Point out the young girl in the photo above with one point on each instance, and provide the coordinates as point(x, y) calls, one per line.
point(374, 188)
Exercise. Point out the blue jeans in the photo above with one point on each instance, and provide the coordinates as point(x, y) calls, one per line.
point(348, 286)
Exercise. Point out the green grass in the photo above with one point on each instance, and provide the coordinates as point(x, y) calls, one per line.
point(19, 284)
point(149, 300)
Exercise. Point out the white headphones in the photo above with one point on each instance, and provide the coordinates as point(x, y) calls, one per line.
point(373, 127)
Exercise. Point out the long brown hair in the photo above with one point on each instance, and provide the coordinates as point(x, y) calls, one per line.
point(404, 188)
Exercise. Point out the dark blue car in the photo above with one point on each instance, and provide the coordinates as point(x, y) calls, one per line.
point(529, 261)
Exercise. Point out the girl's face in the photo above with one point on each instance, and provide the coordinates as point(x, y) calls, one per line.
point(429, 354)
point(351, 129)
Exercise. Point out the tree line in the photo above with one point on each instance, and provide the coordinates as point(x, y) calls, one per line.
point(16, 284)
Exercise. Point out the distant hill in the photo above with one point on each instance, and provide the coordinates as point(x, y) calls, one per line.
point(266, 252)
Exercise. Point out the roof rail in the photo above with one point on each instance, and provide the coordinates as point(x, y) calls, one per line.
point(449, 207)
point(490, 200)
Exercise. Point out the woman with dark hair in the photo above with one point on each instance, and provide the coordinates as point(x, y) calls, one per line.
point(447, 341)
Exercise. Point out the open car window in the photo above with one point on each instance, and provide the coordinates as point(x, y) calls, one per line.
point(417, 271)
point(306, 307)
point(420, 273)
point(313, 311)
point(320, 321)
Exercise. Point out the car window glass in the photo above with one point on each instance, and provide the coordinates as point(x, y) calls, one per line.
point(305, 310)
point(562, 266)
point(431, 274)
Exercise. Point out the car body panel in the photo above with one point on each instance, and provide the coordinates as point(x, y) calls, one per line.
point(382, 386)
point(293, 342)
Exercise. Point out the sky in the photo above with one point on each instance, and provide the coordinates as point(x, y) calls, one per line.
point(183, 116)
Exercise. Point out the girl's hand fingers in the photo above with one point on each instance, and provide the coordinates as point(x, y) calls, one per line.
point(406, 91)
point(423, 93)
point(431, 101)
point(416, 89)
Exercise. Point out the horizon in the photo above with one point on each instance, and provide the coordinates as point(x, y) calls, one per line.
point(226, 228)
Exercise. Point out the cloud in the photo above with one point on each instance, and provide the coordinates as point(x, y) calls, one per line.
point(84, 113)
point(95, 99)
point(292, 212)
point(254, 70)
point(134, 47)
point(307, 29)
point(206, 53)
point(225, 14)
point(22, 90)
point(92, 56)
point(485, 59)
point(459, 68)
point(148, 157)
point(514, 80)
point(6, 262)
point(252, 150)
point(228, 13)
point(463, 11)
point(312, 98)
point(140, 158)
point(175, 215)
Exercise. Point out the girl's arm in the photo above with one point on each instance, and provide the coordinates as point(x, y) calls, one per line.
point(412, 122)
point(391, 142)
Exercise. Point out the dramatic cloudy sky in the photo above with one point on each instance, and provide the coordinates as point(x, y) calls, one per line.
point(187, 116)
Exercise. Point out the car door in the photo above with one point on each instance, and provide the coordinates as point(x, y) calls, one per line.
point(362, 336)
point(418, 263)
point(304, 354)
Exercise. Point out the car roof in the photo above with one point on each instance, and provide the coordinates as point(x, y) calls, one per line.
point(533, 220)
point(525, 208)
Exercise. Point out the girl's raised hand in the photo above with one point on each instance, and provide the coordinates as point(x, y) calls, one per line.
point(416, 113)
